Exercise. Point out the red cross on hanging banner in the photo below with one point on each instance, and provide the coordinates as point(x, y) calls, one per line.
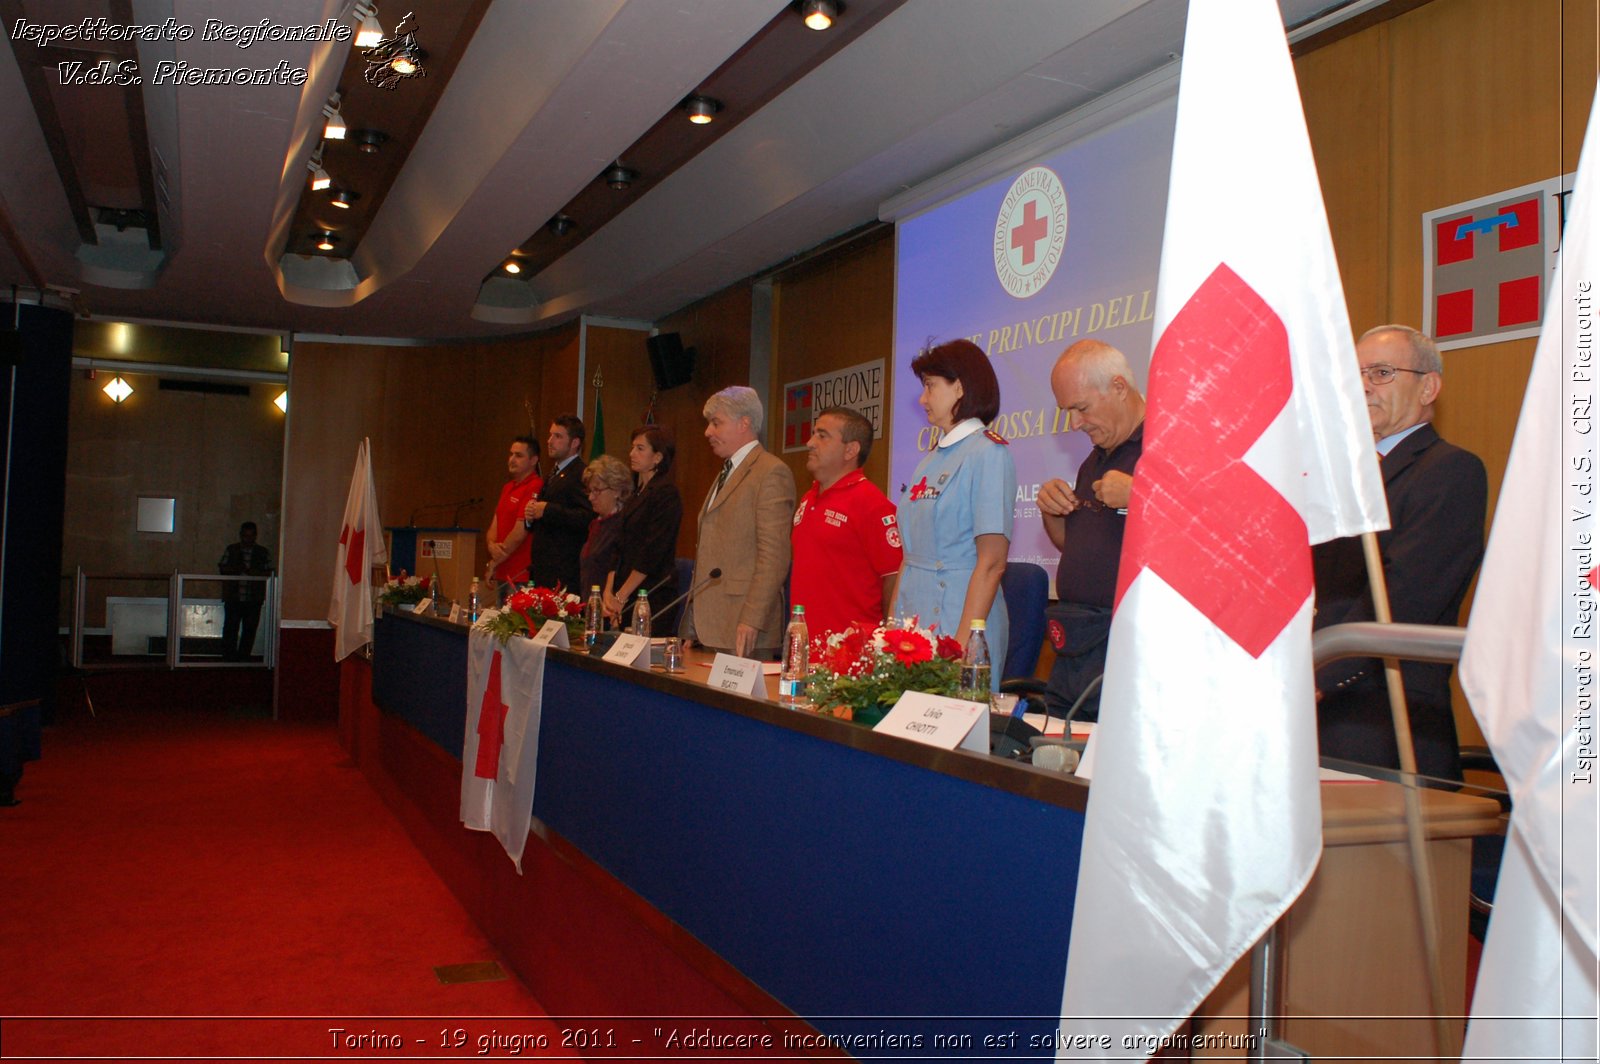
point(1032, 230)
point(355, 551)
point(491, 725)
point(1199, 517)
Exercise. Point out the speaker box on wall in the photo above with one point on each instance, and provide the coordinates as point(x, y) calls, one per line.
point(670, 362)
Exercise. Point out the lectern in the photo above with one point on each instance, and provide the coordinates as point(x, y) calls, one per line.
point(448, 554)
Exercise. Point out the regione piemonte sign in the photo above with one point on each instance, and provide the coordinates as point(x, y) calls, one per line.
point(1486, 264)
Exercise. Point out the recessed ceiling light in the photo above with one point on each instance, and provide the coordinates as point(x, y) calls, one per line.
point(702, 109)
point(325, 241)
point(368, 141)
point(344, 198)
point(620, 177)
point(560, 225)
point(819, 14)
point(512, 267)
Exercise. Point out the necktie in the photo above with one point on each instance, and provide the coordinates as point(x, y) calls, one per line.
point(722, 478)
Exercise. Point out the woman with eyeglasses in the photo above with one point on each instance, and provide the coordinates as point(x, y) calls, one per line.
point(650, 523)
point(610, 486)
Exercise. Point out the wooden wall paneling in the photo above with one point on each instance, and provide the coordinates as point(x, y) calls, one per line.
point(1580, 63)
point(718, 328)
point(834, 312)
point(621, 357)
point(336, 398)
point(219, 456)
point(1344, 89)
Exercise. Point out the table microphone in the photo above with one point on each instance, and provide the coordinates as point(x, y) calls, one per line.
point(715, 574)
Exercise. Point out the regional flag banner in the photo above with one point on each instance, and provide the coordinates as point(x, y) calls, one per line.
point(500, 750)
point(1529, 673)
point(1205, 820)
point(360, 547)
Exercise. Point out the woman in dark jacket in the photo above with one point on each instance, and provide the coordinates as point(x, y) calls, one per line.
point(650, 523)
point(610, 486)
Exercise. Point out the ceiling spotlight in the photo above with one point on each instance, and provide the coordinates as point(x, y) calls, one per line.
point(512, 267)
point(368, 141)
point(819, 14)
point(319, 177)
point(334, 128)
point(560, 225)
point(344, 198)
point(326, 240)
point(702, 109)
point(369, 31)
point(118, 389)
point(395, 59)
point(620, 177)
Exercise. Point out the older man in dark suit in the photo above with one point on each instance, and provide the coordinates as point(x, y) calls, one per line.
point(558, 520)
point(744, 531)
point(1438, 499)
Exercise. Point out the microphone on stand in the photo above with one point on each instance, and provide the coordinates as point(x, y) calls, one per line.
point(715, 574)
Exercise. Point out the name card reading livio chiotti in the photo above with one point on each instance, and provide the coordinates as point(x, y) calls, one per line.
point(938, 721)
point(729, 673)
point(421, 609)
point(553, 634)
point(630, 650)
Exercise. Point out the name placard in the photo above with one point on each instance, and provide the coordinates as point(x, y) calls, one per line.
point(743, 675)
point(553, 634)
point(631, 650)
point(935, 720)
point(425, 606)
point(455, 614)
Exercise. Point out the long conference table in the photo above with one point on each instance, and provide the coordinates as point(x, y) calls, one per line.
point(718, 861)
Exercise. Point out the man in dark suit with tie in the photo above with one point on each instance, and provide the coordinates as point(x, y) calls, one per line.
point(1438, 500)
point(558, 520)
point(744, 531)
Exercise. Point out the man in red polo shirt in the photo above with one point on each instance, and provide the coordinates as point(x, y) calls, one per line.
point(509, 544)
point(846, 540)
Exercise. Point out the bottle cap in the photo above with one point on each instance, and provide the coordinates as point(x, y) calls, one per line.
point(643, 593)
point(799, 611)
point(593, 588)
point(979, 625)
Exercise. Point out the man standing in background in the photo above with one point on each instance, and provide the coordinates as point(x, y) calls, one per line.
point(846, 539)
point(557, 522)
point(508, 539)
point(744, 531)
point(242, 599)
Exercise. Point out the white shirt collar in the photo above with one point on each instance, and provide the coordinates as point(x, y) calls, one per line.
point(960, 432)
point(741, 454)
point(564, 463)
point(1389, 443)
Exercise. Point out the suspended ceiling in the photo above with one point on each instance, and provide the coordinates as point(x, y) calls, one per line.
point(187, 202)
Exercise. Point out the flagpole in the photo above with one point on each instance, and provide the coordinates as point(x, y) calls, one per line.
point(1422, 879)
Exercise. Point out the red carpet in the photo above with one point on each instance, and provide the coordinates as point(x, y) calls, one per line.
point(172, 865)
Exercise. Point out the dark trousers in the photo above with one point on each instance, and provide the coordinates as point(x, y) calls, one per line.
point(1355, 724)
point(1078, 633)
point(239, 623)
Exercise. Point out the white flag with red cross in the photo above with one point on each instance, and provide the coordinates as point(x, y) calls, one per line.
point(360, 548)
point(1204, 821)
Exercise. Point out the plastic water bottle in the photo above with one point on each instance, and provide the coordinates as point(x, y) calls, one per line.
point(472, 602)
point(796, 661)
point(975, 664)
point(641, 614)
point(594, 617)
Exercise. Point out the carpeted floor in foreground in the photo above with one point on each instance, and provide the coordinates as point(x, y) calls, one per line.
point(170, 865)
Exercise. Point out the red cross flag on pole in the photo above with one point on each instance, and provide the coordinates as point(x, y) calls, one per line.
point(1529, 671)
point(1204, 822)
point(360, 548)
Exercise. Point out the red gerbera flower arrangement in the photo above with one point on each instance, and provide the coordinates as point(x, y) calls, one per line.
point(860, 672)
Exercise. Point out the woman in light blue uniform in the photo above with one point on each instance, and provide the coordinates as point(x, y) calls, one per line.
point(955, 514)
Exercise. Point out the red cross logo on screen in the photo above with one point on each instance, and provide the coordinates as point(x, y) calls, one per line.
point(1200, 518)
point(1033, 229)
